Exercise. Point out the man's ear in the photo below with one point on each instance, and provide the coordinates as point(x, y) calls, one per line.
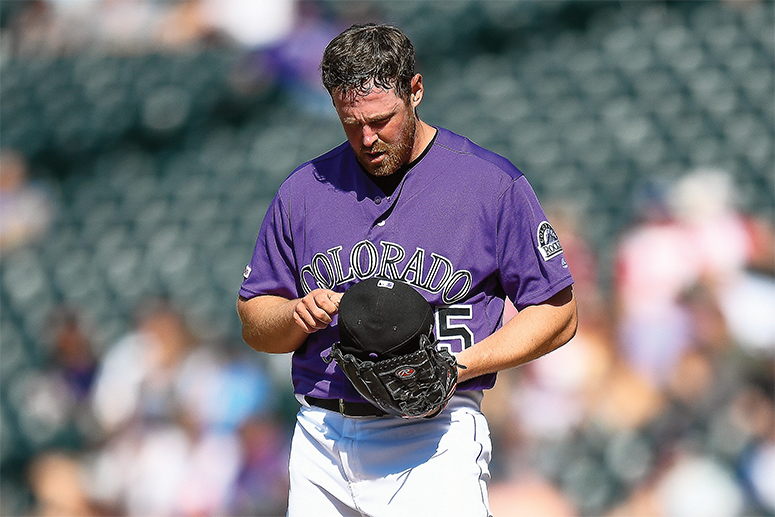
point(417, 91)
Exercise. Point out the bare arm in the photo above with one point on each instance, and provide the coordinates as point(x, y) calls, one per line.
point(277, 325)
point(533, 332)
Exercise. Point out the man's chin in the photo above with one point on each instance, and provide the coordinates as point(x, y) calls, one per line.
point(381, 172)
point(379, 169)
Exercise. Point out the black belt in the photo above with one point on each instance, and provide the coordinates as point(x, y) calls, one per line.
point(353, 409)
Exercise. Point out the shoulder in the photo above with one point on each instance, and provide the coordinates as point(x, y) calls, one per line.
point(476, 156)
point(332, 158)
point(323, 165)
point(321, 170)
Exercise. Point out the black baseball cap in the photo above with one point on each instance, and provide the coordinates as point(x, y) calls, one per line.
point(381, 318)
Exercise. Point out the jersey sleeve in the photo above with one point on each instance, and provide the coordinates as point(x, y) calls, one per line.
point(530, 258)
point(271, 268)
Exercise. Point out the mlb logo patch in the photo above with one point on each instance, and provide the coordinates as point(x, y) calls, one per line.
point(385, 283)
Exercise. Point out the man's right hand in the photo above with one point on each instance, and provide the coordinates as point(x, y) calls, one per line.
point(316, 310)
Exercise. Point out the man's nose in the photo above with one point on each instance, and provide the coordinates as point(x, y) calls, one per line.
point(369, 136)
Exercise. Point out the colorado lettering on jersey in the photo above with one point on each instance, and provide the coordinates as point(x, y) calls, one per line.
point(366, 259)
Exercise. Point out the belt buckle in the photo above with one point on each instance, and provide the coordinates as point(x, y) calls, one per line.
point(341, 407)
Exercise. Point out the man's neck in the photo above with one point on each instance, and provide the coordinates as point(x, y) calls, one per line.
point(423, 136)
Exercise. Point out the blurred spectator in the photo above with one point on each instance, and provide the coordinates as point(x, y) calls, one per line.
point(698, 485)
point(261, 487)
point(529, 497)
point(703, 203)
point(29, 26)
point(183, 26)
point(136, 378)
point(733, 254)
point(690, 486)
point(45, 27)
point(71, 337)
point(53, 401)
point(250, 24)
point(26, 209)
point(691, 294)
point(752, 414)
point(295, 59)
point(290, 62)
point(655, 263)
point(693, 240)
point(51, 407)
point(57, 487)
point(174, 410)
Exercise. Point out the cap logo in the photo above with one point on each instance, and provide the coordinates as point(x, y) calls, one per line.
point(405, 373)
point(385, 283)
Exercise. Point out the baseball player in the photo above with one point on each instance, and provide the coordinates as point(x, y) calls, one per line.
point(407, 201)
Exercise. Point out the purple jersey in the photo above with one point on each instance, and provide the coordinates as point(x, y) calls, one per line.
point(464, 228)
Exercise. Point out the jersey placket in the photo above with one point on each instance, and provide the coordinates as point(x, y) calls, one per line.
point(387, 204)
point(384, 206)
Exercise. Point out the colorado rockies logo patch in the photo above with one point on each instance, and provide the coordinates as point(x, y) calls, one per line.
point(548, 242)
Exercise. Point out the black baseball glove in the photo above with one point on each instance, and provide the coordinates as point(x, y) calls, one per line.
point(388, 352)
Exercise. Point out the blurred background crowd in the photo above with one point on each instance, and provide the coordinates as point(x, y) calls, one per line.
point(143, 139)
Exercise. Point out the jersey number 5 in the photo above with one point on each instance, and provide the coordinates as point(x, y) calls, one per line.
point(454, 336)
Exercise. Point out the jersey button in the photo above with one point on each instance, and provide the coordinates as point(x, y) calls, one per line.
point(378, 200)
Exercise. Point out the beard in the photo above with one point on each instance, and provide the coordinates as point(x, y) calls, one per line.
point(397, 154)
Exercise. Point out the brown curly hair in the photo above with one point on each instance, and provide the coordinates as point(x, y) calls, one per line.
point(367, 56)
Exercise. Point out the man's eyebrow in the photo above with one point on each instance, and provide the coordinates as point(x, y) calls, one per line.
point(381, 116)
point(374, 118)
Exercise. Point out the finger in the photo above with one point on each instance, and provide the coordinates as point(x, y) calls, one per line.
point(336, 298)
point(322, 309)
point(329, 302)
point(319, 310)
point(302, 323)
point(311, 317)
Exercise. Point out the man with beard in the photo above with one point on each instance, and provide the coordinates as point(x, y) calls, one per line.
point(408, 202)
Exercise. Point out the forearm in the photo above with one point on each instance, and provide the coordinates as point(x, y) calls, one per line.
point(533, 332)
point(268, 324)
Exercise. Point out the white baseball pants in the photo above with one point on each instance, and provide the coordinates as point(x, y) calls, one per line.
point(379, 467)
